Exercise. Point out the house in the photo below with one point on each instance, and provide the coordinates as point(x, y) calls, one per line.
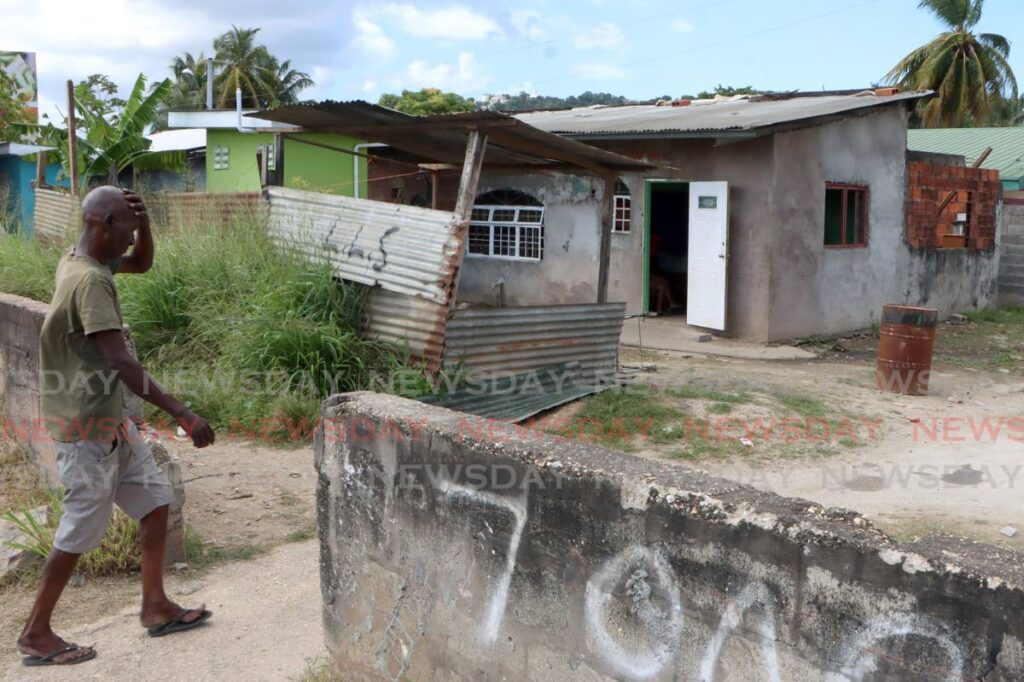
point(189, 141)
point(18, 169)
point(235, 142)
point(768, 218)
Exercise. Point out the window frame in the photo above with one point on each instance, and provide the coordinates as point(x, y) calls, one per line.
point(623, 202)
point(846, 188)
point(519, 226)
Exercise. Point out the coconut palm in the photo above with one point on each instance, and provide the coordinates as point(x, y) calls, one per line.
point(968, 70)
point(288, 83)
point(241, 63)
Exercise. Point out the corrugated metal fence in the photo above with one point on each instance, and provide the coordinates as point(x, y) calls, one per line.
point(56, 214)
point(508, 341)
point(409, 255)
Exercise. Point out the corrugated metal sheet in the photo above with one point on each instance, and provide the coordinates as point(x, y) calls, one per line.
point(404, 249)
point(705, 116)
point(507, 341)
point(408, 322)
point(1007, 147)
point(519, 397)
point(442, 137)
point(56, 214)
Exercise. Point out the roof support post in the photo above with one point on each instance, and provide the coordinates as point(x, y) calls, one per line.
point(605, 224)
point(475, 147)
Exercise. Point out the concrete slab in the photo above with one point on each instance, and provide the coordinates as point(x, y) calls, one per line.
point(673, 334)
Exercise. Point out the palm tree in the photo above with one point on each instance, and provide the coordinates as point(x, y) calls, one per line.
point(188, 91)
point(243, 64)
point(968, 70)
point(288, 83)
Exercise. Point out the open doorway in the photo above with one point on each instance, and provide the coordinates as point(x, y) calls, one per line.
point(667, 237)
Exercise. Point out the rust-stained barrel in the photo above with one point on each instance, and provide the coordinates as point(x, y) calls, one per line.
point(905, 349)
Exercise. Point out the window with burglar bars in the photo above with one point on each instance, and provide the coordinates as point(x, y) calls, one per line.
point(507, 230)
point(621, 208)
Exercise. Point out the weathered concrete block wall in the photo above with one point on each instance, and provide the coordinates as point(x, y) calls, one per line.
point(452, 549)
point(21, 321)
point(1011, 259)
point(567, 273)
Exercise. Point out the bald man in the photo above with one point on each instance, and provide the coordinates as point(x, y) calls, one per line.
point(103, 461)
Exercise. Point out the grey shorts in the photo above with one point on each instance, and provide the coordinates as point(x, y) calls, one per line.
point(96, 474)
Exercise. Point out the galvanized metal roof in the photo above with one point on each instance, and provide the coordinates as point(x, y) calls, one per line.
point(180, 140)
point(19, 149)
point(442, 138)
point(704, 117)
point(517, 398)
point(1007, 147)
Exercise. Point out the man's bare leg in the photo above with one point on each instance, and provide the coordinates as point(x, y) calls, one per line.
point(37, 638)
point(156, 607)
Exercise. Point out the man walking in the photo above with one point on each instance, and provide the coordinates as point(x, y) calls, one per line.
point(102, 459)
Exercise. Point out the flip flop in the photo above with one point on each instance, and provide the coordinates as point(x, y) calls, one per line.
point(178, 624)
point(36, 661)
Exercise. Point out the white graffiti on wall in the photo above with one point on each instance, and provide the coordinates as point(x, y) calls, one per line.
point(862, 659)
point(661, 623)
point(499, 597)
point(754, 595)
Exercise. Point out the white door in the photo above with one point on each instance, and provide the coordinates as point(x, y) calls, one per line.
point(709, 254)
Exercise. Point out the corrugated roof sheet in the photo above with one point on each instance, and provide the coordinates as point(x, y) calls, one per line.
point(706, 116)
point(1007, 147)
point(518, 398)
point(180, 140)
point(442, 138)
point(19, 149)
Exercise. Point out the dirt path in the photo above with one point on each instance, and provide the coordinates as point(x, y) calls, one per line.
point(266, 626)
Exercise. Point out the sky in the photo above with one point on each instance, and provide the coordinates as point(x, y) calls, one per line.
point(636, 48)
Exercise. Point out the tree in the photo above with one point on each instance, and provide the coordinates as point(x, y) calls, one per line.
point(729, 91)
point(112, 130)
point(969, 71)
point(427, 101)
point(188, 91)
point(12, 110)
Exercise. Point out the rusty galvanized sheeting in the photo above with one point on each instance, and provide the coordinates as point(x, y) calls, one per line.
point(407, 322)
point(56, 214)
point(404, 249)
point(190, 209)
point(506, 341)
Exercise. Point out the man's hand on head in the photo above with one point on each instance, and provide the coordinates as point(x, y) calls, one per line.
point(196, 428)
point(138, 207)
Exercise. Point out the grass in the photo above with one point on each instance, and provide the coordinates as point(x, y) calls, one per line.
point(202, 556)
point(250, 335)
point(317, 670)
point(691, 392)
point(614, 418)
point(307, 533)
point(805, 406)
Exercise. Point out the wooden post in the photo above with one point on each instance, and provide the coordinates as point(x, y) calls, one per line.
point(435, 177)
point(605, 225)
point(72, 140)
point(40, 170)
point(475, 147)
point(952, 195)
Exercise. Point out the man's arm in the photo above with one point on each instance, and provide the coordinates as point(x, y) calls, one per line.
point(141, 257)
point(134, 376)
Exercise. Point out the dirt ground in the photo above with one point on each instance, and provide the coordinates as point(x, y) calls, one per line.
point(241, 500)
point(951, 461)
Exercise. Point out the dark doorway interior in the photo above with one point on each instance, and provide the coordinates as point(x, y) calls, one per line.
point(670, 233)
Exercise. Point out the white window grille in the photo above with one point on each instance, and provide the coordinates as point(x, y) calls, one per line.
point(220, 157)
point(507, 231)
point(622, 211)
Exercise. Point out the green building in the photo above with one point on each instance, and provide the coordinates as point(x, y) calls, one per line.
point(231, 154)
point(1007, 148)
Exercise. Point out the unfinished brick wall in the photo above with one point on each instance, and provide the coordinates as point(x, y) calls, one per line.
point(977, 192)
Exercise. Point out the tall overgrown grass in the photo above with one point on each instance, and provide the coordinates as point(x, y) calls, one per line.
point(251, 335)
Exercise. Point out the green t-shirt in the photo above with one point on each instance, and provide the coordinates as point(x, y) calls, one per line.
point(80, 394)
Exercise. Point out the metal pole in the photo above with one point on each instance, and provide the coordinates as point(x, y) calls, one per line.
point(209, 83)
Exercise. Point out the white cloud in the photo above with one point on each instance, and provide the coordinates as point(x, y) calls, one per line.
point(455, 22)
point(370, 38)
point(683, 26)
point(528, 23)
point(466, 75)
point(605, 35)
point(369, 85)
point(599, 71)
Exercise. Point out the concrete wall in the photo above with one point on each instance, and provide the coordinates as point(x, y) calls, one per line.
point(1011, 261)
point(568, 271)
point(456, 550)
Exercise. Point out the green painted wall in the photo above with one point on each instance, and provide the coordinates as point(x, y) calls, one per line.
point(305, 166)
